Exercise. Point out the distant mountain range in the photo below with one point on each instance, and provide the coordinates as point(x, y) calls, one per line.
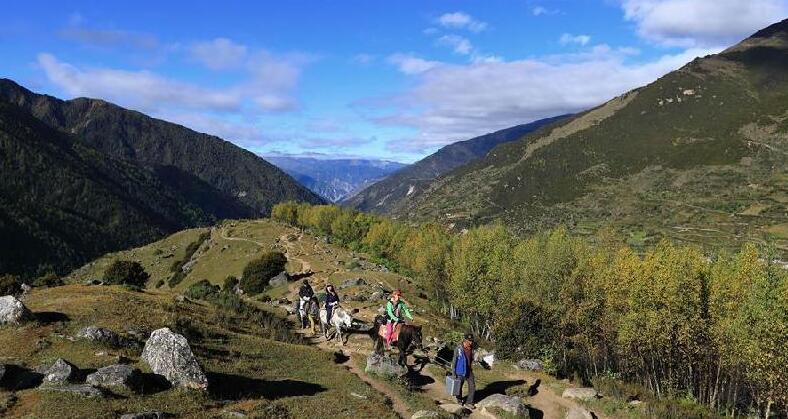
point(388, 194)
point(699, 155)
point(335, 179)
point(83, 177)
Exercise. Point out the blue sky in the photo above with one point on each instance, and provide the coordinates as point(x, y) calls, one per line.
point(379, 79)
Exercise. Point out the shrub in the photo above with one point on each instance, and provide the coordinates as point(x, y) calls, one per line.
point(229, 283)
point(10, 285)
point(48, 280)
point(258, 272)
point(126, 272)
point(176, 279)
point(201, 289)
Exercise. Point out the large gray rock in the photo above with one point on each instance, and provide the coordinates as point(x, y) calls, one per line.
point(84, 390)
point(146, 415)
point(384, 365)
point(12, 311)
point(169, 354)
point(355, 282)
point(580, 393)
point(116, 376)
point(425, 414)
point(579, 413)
point(455, 409)
point(106, 337)
point(530, 364)
point(60, 372)
point(278, 280)
point(510, 404)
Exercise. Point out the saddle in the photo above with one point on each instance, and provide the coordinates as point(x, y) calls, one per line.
point(395, 332)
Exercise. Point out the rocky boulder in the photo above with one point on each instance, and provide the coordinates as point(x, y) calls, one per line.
point(146, 415)
point(84, 390)
point(530, 364)
point(169, 354)
point(579, 413)
point(60, 372)
point(106, 337)
point(425, 414)
point(278, 280)
point(12, 311)
point(384, 365)
point(355, 282)
point(116, 376)
point(455, 409)
point(581, 393)
point(510, 404)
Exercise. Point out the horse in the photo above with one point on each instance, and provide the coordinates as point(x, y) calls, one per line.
point(340, 319)
point(408, 335)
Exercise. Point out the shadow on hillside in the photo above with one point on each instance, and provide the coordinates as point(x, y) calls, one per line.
point(533, 390)
point(20, 378)
point(497, 387)
point(49, 317)
point(340, 358)
point(153, 383)
point(416, 381)
point(535, 413)
point(237, 387)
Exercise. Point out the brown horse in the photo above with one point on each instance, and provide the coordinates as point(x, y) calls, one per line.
point(409, 335)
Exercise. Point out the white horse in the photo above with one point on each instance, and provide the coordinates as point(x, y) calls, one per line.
point(340, 319)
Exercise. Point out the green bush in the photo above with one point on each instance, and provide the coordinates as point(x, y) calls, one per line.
point(126, 272)
point(229, 283)
point(258, 272)
point(201, 289)
point(10, 285)
point(48, 280)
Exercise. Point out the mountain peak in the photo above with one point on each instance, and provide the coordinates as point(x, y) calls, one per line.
point(779, 29)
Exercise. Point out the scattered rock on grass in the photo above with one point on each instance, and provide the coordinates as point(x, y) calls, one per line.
point(384, 365)
point(84, 390)
point(509, 404)
point(579, 413)
point(278, 280)
point(147, 415)
point(107, 337)
point(12, 311)
point(425, 414)
point(455, 409)
point(355, 282)
point(60, 372)
point(581, 393)
point(116, 376)
point(530, 364)
point(168, 354)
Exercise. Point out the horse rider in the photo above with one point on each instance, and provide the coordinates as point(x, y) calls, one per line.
point(332, 300)
point(305, 293)
point(396, 309)
point(461, 368)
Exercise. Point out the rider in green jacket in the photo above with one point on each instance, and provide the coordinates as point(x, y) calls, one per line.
point(396, 309)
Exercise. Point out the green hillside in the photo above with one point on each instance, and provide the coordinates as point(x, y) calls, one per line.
point(700, 155)
point(392, 192)
point(84, 177)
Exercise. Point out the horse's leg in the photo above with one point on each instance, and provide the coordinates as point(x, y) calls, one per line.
point(402, 356)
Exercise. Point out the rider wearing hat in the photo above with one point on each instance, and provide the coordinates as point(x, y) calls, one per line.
point(396, 309)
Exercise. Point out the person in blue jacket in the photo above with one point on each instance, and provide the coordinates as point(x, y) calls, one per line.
point(332, 300)
point(461, 368)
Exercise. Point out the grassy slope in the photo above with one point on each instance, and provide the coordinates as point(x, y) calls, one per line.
point(699, 155)
point(249, 373)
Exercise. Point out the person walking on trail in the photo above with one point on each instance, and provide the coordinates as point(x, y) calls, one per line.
point(461, 367)
point(396, 309)
point(332, 300)
point(305, 293)
point(313, 313)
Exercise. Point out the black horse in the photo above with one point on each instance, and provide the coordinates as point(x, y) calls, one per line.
point(409, 335)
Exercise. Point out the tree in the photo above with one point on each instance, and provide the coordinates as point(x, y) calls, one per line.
point(259, 271)
point(126, 272)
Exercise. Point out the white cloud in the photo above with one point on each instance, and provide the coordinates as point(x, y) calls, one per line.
point(364, 59)
point(219, 53)
point(457, 43)
point(542, 11)
point(461, 20)
point(454, 102)
point(410, 64)
point(690, 23)
point(568, 38)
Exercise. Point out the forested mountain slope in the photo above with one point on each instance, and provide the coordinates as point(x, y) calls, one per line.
point(700, 155)
point(388, 194)
point(225, 179)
